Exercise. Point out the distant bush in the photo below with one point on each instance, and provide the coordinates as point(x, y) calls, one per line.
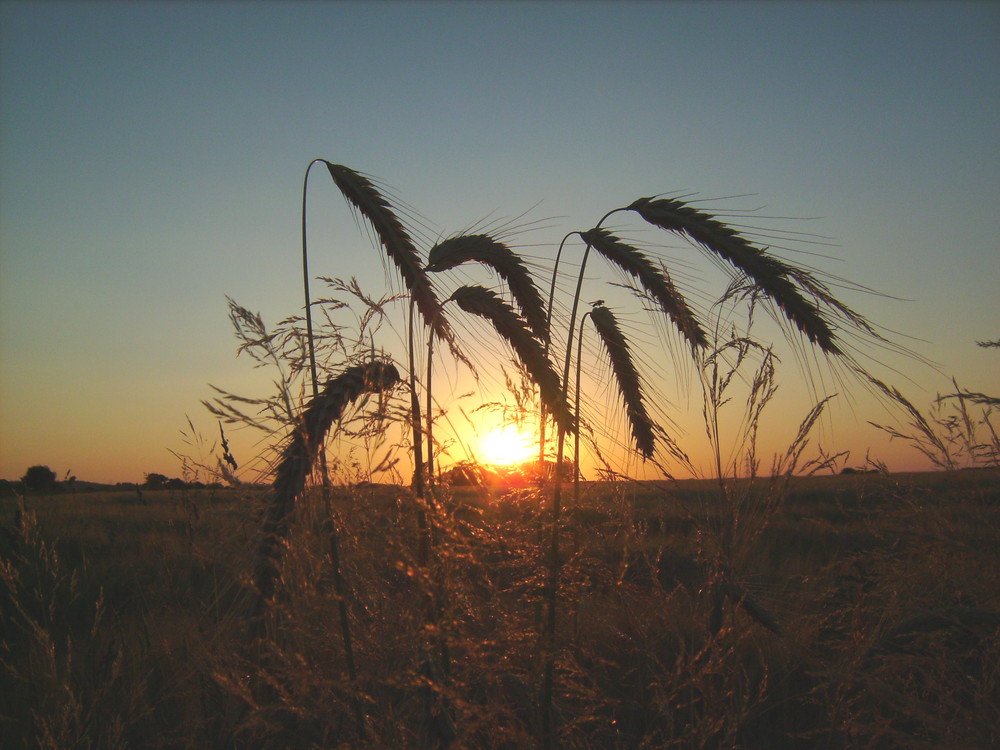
point(39, 479)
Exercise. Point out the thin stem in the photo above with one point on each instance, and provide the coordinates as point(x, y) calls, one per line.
point(552, 585)
point(305, 285)
point(338, 579)
point(552, 588)
point(430, 414)
point(548, 337)
point(576, 410)
point(415, 420)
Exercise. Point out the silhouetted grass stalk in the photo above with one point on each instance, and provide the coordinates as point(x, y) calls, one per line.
point(340, 588)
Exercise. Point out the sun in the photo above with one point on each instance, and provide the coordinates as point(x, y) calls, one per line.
point(506, 446)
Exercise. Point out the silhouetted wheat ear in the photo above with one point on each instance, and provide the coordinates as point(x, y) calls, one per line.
point(300, 454)
point(486, 304)
point(771, 275)
point(654, 280)
point(627, 377)
point(363, 195)
point(481, 248)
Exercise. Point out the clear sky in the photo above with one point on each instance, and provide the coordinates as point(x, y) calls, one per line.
point(151, 159)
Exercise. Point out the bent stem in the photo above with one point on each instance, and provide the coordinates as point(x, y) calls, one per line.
point(552, 585)
point(334, 542)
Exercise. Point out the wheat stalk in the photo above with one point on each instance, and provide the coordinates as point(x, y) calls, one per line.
point(654, 280)
point(486, 304)
point(626, 376)
point(481, 248)
point(359, 191)
point(297, 460)
point(772, 276)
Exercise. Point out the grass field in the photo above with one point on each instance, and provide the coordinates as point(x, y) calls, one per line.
point(864, 612)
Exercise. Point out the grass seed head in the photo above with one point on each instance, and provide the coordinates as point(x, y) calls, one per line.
point(772, 276)
point(626, 376)
point(486, 304)
point(359, 191)
point(654, 281)
point(481, 248)
point(299, 455)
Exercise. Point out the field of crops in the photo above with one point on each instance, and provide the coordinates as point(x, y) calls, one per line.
point(853, 611)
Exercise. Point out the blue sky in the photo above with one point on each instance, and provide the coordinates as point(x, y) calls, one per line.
point(151, 159)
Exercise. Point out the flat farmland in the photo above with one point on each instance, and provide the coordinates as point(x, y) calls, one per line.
point(840, 611)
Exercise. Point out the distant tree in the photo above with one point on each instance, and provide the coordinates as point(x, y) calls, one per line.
point(156, 481)
point(39, 479)
point(175, 484)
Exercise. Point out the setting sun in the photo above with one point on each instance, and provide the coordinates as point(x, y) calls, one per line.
point(507, 445)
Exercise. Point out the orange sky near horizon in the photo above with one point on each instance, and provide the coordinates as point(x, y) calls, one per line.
point(152, 160)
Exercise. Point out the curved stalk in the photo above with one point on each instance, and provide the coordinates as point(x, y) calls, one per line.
point(548, 337)
point(305, 285)
point(576, 410)
point(548, 325)
point(552, 585)
point(415, 419)
point(339, 585)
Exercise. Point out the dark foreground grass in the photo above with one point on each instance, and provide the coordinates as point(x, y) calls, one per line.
point(124, 620)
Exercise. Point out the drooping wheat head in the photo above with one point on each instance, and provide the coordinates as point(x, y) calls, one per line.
point(655, 281)
point(776, 279)
point(626, 376)
point(299, 455)
point(359, 191)
point(482, 302)
point(481, 248)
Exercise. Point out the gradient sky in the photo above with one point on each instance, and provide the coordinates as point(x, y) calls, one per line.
point(151, 159)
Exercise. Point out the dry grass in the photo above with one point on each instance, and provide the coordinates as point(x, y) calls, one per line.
point(885, 588)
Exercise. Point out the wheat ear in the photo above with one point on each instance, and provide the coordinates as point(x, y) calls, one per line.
point(654, 280)
point(486, 304)
point(359, 191)
point(299, 455)
point(626, 375)
point(481, 248)
point(772, 276)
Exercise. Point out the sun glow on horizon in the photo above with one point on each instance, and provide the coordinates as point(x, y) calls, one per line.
point(507, 445)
